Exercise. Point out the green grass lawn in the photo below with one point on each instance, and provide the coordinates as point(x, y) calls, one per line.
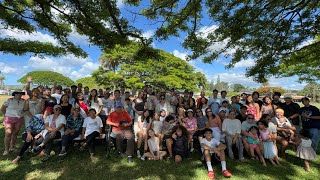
point(77, 165)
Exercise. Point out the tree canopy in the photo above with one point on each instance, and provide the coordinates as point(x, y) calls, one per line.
point(47, 78)
point(164, 73)
point(273, 33)
point(87, 81)
point(99, 20)
point(270, 89)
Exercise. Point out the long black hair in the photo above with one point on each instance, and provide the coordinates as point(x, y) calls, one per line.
point(213, 115)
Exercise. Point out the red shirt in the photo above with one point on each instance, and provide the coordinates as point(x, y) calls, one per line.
point(199, 100)
point(116, 117)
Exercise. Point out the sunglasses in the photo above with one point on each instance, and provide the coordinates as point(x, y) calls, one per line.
point(58, 109)
point(250, 118)
point(198, 111)
point(209, 111)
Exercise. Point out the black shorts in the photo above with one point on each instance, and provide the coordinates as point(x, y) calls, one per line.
point(183, 154)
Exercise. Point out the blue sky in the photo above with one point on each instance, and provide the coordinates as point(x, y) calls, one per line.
point(14, 67)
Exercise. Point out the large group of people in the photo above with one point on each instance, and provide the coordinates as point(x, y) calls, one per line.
point(158, 125)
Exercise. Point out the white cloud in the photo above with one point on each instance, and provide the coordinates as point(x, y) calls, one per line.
point(6, 69)
point(120, 3)
point(69, 65)
point(245, 63)
point(148, 34)
point(179, 54)
point(76, 38)
point(289, 83)
point(84, 71)
point(24, 36)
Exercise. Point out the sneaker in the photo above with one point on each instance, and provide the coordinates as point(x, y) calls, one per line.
point(45, 158)
point(130, 160)
point(143, 158)
point(5, 153)
point(211, 175)
point(138, 154)
point(191, 150)
point(226, 173)
point(63, 153)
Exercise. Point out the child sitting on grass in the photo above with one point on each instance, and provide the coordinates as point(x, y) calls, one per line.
point(212, 148)
point(180, 143)
point(154, 149)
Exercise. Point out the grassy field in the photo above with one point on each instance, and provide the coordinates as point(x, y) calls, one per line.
point(77, 165)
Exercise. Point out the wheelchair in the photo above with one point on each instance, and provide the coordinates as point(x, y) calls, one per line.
point(110, 139)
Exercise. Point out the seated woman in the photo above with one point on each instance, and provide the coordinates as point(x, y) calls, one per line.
point(212, 148)
point(285, 130)
point(33, 132)
point(54, 125)
point(232, 129)
point(92, 128)
point(190, 123)
point(73, 129)
point(144, 124)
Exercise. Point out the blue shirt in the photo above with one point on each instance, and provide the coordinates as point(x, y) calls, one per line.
point(74, 124)
point(36, 124)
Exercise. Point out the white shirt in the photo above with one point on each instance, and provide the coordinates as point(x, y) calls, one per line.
point(92, 125)
point(156, 126)
point(57, 96)
point(14, 107)
point(272, 127)
point(60, 120)
point(212, 144)
point(231, 126)
point(95, 105)
point(154, 144)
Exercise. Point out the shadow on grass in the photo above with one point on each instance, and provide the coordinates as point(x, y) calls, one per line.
point(77, 165)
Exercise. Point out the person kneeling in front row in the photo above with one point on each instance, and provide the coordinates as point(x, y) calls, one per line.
point(212, 148)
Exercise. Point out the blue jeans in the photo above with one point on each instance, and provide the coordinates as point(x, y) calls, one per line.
point(315, 137)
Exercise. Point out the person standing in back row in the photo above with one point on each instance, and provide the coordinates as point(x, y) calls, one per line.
point(311, 121)
point(291, 110)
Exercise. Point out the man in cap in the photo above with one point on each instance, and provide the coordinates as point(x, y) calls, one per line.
point(291, 110)
point(58, 93)
point(121, 123)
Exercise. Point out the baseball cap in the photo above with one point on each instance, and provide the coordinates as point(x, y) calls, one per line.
point(118, 104)
point(189, 110)
point(49, 108)
point(287, 96)
point(56, 106)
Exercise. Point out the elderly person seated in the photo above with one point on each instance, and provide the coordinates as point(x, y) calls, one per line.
point(33, 132)
point(121, 123)
point(54, 125)
point(285, 130)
